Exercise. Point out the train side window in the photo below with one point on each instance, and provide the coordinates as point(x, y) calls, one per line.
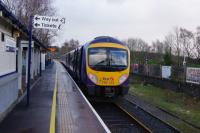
point(72, 59)
point(69, 59)
point(2, 37)
point(76, 55)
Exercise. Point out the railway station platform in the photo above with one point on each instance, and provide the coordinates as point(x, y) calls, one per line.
point(56, 105)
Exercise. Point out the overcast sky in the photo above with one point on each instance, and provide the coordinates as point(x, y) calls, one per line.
point(147, 19)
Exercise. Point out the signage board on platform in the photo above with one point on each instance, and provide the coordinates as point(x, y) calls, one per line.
point(166, 72)
point(46, 22)
point(193, 75)
point(10, 45)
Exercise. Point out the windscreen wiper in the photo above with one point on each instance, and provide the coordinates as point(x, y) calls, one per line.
point(100, 62)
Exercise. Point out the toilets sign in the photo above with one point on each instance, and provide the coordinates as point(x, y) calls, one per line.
point(45, 22)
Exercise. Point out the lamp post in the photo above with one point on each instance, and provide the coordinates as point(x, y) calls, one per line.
point(29, 61)
point(185, 68)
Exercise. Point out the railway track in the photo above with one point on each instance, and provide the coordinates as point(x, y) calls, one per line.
point(118, 120)
point(153, 123)
point(126, 117)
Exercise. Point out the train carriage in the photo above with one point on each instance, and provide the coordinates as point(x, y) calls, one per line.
point(101, 65)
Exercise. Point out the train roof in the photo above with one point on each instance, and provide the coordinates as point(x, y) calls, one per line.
point(106, 39)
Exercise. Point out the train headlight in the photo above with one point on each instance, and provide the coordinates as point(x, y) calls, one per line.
point(123, 78)
point(93, 78)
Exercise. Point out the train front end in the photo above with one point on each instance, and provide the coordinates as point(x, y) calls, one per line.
point(107, 68)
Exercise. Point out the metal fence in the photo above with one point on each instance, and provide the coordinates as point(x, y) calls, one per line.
point(174, 73)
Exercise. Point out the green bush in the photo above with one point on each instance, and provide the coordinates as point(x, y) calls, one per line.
point(167, 59)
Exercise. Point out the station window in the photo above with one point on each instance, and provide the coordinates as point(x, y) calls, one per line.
point(2, 37)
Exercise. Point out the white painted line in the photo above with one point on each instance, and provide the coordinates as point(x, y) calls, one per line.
point(90, 106)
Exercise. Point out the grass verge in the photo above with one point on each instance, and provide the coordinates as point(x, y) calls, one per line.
point(178, 104)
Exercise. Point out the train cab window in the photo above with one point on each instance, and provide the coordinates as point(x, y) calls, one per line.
point(108, 59)
point(118, 57)
point(97, 57)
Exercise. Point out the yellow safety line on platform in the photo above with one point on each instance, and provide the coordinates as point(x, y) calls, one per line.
point(53, 109)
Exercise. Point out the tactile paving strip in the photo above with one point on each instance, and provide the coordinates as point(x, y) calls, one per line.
point(64, 116)
point(73, 114)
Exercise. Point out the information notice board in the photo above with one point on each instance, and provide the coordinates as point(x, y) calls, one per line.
point(7, 56)
point(193, 75)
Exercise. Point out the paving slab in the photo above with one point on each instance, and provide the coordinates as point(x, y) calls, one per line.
point(35, 118)
point(74, 115)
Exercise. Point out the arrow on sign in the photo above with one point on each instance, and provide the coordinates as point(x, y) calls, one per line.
point(62, 20)
point(36, 24)
point(37, 18)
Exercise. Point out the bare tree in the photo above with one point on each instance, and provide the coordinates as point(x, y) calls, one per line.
point(23, 9)
point(131, 43)
point(142, 45)
point(169, 43)
point(69, 45)
point(158, 47)
point(10, 5)
point(186, 38)
point(197, 44)
point(177, 44)
point(137, 44)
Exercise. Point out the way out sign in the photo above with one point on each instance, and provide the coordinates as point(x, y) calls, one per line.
point(46, 22)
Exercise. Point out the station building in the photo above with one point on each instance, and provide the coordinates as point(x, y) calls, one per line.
point(14, 60)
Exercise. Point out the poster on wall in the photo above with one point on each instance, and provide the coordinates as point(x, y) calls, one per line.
point(166, 72)
point(193, 75)
point(8, 57)
point(10, 44)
